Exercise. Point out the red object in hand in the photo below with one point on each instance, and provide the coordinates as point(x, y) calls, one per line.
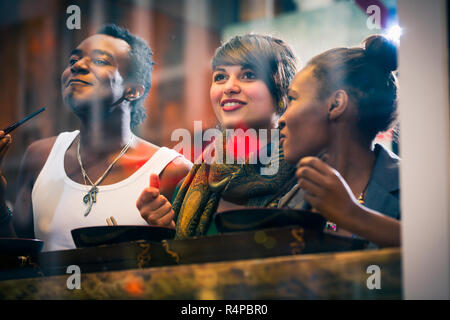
point(154, 180)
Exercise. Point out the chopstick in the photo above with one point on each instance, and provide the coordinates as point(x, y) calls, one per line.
point(111, 221)
point(20, 122)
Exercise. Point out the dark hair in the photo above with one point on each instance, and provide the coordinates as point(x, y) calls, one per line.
point(271, 58)
point(366, 75)
point(141, 66)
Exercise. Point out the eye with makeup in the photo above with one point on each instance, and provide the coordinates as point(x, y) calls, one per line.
point(291, 96)
point(248, 75)
point(219, 77)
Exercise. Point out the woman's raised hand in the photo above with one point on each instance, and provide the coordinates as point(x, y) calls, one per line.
point(326, 190)
point(154, 207)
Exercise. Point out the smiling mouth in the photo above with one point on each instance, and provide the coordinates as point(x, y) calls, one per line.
point(231, 105)
point(78, 82)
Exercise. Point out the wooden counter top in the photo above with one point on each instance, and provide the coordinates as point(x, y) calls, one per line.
point(340, 275)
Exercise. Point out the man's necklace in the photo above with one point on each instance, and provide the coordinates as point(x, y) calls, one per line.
point(91, 197)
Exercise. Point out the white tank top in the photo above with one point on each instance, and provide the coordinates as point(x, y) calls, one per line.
point(58, 205)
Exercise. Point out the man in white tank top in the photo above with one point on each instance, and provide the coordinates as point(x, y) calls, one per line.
point(80, 178)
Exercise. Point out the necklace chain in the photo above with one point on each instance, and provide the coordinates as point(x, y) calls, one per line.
point(91, 197)
point(361, 198)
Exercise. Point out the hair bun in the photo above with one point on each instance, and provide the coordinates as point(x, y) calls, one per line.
point(382, 52)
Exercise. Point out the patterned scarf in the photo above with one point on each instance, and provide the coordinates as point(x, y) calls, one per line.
point(243, 184)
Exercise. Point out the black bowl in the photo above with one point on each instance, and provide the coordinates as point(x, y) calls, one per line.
point(263, 218)
point(104, 235)
point(20, 247)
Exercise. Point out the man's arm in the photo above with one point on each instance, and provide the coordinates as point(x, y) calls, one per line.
point(6, 229)
point(32, 163)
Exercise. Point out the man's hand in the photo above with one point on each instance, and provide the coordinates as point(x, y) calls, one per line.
point(154, 207)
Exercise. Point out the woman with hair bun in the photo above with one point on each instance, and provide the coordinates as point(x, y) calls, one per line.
point(338, 103)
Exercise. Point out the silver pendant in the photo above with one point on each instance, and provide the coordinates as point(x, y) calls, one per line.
point(90, 198)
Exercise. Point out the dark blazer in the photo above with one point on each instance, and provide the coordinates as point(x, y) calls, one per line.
point(383, 190)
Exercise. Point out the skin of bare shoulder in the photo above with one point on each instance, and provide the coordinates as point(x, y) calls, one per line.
point(32, 163)
point(144, 146)
point(37, 154)
point(172, 173)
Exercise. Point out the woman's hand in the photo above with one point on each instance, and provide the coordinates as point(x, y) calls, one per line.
point(326, 190)
point(154, 207)
point(330, 195)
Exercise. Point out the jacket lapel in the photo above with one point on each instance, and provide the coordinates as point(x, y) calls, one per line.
point(383, 190)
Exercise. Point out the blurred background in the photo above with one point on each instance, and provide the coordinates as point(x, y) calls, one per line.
point(183, 35)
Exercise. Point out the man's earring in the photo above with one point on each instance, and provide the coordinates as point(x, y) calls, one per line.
point(334, 105)
point(280, 105)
